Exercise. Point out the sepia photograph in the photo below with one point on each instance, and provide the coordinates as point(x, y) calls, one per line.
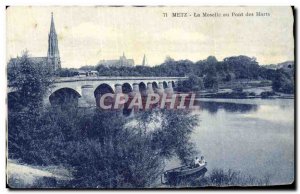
point(150, 97)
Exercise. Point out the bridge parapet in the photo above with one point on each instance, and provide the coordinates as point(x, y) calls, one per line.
point(109, 78)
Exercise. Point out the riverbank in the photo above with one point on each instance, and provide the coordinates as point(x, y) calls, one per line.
point(27, 176)
point(249, 93)
point(221, 178)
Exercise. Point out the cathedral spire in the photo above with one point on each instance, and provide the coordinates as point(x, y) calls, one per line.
point(53, 52)
point(52, 27)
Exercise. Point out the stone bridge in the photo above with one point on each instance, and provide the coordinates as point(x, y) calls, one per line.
point(86, 90)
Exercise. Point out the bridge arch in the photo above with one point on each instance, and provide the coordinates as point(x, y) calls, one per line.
point(154, 86)
point(173, 84)
point(165, 84)
point(100, 90)
point(143, 88)
point(126, 88)
point(64, 97)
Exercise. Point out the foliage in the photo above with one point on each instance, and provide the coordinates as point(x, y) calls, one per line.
point(66, 72)
point(233, 95)
point(193, 83)
point(100, 148)
point(283, 82)
point(30, 80)
point(267, 94)
point(210, 70)
point(172, 137)
point(104, 149)
point(87, 67)
point(222, 178)
point(169, 68)
point(243, 67)
point(210, 81)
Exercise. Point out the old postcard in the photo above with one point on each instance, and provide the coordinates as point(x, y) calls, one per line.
point(114, 97)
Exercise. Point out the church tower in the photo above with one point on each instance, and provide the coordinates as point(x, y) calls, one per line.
point(53, 57)
point(144, 60)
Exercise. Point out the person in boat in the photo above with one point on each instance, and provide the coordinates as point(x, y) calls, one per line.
point(196, 162)
point(199, 162)
point(202, 161)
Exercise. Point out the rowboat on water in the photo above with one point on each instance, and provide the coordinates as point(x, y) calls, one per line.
point(175, 175)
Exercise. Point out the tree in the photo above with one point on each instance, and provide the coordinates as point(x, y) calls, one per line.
point(66, 72)
point(210, 81)
point(283, 82)
point(211, 60)
point(244, 67)
point(193, 83)
point(169, 59)
point(30, 80)
point(104, 149)
point(87, 67)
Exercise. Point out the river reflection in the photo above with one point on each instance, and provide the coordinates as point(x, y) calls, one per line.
point(213, 107)
point(253, 136)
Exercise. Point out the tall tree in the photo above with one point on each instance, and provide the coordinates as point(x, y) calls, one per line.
point(30, 81)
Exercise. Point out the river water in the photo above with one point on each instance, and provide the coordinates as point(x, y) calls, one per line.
point(253, 136)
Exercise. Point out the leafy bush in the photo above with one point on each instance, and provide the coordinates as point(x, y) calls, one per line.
point(283, 82)
point(252, 94)
point(233, 95)
point(99, 148)
point(193, 83)
point(267, 94)
point(222, 178)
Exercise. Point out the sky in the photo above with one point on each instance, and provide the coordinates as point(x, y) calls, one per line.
point(87, 35)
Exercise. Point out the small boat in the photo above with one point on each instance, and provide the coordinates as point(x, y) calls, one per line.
point(175, 175)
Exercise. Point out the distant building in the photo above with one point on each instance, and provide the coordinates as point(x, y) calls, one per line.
point(144, 62)
point(123, 61)
point(53, 58)
point(287, 65)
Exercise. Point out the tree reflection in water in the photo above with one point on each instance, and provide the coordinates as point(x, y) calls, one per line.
point(213, 107)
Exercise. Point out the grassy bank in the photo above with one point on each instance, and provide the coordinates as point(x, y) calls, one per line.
point(223, 178)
